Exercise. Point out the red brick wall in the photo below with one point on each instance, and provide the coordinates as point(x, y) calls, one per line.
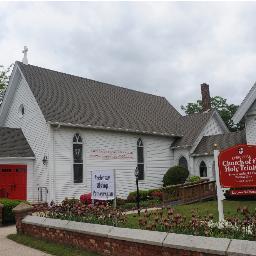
point(102, 245)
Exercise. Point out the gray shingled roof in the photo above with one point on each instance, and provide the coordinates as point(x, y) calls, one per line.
point(206, 145)
point(13, 143)
point(69, 99)
point(191, 126)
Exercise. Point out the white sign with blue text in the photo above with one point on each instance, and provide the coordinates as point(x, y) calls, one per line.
point(103, 184)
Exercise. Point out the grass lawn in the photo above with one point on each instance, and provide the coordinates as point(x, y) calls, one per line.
point(203, 209)
point(49, 247)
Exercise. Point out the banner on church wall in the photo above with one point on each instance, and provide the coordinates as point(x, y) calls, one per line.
point(109, 154)
point(103, 185)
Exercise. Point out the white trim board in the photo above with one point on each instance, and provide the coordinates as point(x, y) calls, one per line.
point(245, 105)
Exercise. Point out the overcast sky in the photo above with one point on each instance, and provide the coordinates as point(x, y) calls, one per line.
point(167, 49)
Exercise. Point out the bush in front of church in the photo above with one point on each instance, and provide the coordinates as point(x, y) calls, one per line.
point(175, 175)
point(9, 204)
point(86, 198)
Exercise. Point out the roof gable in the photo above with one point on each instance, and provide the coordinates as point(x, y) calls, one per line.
point(245, 105)
point(226, 140)
point(9, 94)
point(73, 100)
point(191, 127)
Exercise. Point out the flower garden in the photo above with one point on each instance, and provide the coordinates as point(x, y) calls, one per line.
point(199, 219)
point(195, 219)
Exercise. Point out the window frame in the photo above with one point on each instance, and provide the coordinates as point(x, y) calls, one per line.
point(141, 164)
point(77, 140)
point(21, 110)
point(206, 169)
point(183, 157)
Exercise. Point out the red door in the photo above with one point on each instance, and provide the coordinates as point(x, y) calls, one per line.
point(13, 181)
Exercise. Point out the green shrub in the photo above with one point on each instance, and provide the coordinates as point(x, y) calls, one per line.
point(143, 204)
point(120, 201)
point(144, 195)
point(9, 204)
point(175, 175)
point(193, 179)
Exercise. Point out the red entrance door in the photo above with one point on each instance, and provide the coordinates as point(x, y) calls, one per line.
point(13, 181)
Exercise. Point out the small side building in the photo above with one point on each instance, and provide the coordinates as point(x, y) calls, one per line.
point(16, 165)
point(203, 154)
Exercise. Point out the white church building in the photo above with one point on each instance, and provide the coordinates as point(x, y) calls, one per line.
point(56, 128)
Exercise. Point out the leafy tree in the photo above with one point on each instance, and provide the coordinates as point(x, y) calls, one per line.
point(4, 79)
point(225, 110)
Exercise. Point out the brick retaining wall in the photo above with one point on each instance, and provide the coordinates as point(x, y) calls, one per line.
point(107, 240)
point(104, 245)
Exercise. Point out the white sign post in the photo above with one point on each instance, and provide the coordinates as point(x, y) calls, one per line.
point(103, 185)
point(220, 194)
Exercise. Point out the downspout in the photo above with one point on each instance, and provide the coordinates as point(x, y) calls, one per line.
point(54, 162)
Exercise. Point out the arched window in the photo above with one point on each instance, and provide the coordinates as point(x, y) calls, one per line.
point(78, 158)
point(140, 158)
point(183, 162)
point(203, 169)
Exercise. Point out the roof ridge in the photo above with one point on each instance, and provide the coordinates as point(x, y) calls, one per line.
point(188, 124)
point(200, 113)
point(92, 80)
point(223, 134)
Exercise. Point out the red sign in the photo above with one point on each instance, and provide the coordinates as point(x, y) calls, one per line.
point(240, 192)
point(237, 167)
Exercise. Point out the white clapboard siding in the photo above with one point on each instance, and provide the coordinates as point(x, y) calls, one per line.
point(157, 156)
point(209, 163)
point(250, 124)
point(35, 130)
point(213, 127)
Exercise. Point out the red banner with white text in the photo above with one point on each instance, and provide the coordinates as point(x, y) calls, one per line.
point(237, 167)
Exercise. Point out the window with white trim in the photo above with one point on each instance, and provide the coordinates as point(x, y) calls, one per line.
point(203, 169)
point(78, 158)
point(140, 158)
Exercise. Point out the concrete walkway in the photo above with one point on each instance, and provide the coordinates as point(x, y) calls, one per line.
point(10, 248)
